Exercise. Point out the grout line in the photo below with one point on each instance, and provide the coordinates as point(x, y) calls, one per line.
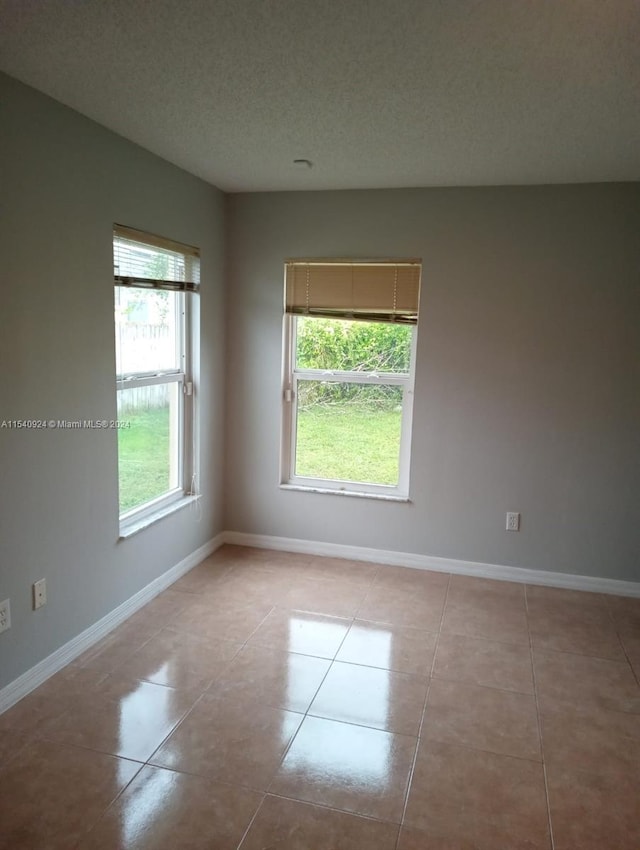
point(329, 808)
point(251, 821)
point(629, 662)
point(424, 711)
point(539, 722)
point(306, 712)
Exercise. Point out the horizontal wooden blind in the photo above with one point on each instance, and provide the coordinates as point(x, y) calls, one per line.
point(386, 291)
point(152, 262)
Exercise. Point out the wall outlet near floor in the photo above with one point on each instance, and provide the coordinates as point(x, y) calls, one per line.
point(513, 521)
point(39, 593)
point(5, 615)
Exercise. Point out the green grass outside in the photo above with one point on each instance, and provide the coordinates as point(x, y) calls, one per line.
point(143, 457)
point(349, 443)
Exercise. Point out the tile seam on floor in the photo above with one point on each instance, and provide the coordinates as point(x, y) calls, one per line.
point(636, 675)
point(202, 695)
point(441, 678)
point(424, 713)
point(306, 713)
point(539, 722)
point(112, 803)
point(329, 808)
point(428, 740)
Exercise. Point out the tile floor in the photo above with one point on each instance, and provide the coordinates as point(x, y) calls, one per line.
point(270, 700)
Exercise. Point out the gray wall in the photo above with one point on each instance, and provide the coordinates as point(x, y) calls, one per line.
point(527, 385)
point(64, 181)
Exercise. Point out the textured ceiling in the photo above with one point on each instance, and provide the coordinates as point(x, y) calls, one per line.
point(375, 93)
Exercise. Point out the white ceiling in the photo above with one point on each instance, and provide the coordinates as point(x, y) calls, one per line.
point(376, 93)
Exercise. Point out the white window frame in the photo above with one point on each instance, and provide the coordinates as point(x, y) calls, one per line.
point(182, 377)
point(187, 313)
point(292, 375)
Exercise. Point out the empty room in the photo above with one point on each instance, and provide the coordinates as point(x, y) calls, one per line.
point(319, 425)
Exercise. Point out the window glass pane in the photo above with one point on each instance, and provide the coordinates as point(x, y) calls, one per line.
point(147, 330)
point(339, 344)
point(348, 432)
point(148, 450)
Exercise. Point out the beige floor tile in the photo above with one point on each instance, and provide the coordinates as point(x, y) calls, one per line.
point(409, 579)
point(300, 631)
point(203, 577)
point(368, 696)
point(630, 639)
point(492, 616)
point(484, 662)
point(72, 679)
point(416, 839)
point(482, 718)
point(560, 597)
point(160, 610)
point(241, 743)
point(211, 619)
point(251, 585)
point(625, 611)
point(50, 700)
point(165, 810)
point(493, 800)
point(270, 677)
point(116, 647)
point(405, 650)
point(290, 825)
point(478, 779)
point(127, 719)
point(579, 680)
point(591, 811)
point(592, 739)
point(568, 632)
point(343, 569)
point(179, 660)
point(353, 768)
point(51, 795)
point(12, 742)
point(469, 587)
point(419, 609)
point(332, 597)
point(274, 558)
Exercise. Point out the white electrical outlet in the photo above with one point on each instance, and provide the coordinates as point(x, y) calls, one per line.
point(39, 593)
point(5, 615)
point(513, 521)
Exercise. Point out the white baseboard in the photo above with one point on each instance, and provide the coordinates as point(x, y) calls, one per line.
point(38, 674)
point(429, 562)
point(34, 677)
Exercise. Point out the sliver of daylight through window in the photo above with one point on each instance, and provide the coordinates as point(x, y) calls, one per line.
point(153, 332)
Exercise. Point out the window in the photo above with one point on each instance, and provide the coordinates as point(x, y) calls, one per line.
point(155, 280)
point(349, 359)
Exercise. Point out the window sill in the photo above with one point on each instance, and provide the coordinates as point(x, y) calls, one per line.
point(136, 524)
point(381, 497)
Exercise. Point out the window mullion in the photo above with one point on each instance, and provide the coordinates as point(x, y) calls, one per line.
point(392, 378)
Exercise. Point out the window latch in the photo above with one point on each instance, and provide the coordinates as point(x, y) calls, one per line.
point(188, 388)
point(288, 396)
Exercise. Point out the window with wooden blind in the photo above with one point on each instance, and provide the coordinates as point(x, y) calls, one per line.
point(155, 280)
point(349, 363)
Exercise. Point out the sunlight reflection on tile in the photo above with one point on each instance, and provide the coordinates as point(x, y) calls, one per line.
point(304, 630)
point(369, 696)
point(350, 767)
point(136, 707)
point(296, 631)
